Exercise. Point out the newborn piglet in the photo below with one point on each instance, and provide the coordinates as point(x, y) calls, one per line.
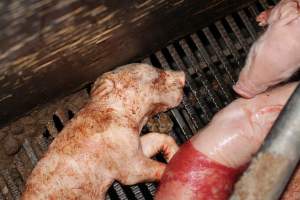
point(102, 144)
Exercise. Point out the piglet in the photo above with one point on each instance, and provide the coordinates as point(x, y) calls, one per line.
point(102, 144)
point(274, 57)
point(207, 166)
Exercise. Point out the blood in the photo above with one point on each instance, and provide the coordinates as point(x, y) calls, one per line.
point(201, 175)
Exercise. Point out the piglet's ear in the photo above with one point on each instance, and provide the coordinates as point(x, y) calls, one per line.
point(102, 87)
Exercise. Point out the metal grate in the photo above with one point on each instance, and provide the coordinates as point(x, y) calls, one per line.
point(211, 58)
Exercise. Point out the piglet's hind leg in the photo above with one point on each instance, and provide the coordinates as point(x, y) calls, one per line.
point(153, 143)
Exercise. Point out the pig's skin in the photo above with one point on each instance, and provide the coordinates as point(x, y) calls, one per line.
point(208, 165)
point(102, 144)
point(274, 57)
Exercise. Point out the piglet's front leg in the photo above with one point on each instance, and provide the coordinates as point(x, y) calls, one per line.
point(145, 169)
point(153, 143)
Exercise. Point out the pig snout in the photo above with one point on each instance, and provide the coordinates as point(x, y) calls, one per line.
point(247, 89)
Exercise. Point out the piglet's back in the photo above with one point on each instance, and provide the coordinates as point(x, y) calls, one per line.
point(73, 161)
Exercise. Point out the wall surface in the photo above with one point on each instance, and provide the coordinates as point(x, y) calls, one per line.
point(50, 48)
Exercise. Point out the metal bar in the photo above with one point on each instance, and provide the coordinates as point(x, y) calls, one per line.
point(237, 33)
point(151, 187)
point(4, 189)
point(228, 41)
point(253, 10)
point(111, 192)
point(248, 24)
point(211, 93)
point(218, 50)
point(52, 129)
point(11, 184)
point(62, 115)
point(195, 126)
point(161, 58)
point(189, 122)
point(189, 82)
point(184, 128)
point(185, 102)
point(137, 192)
point(42, 143)
point(119, 190)
point(212, 68)
point(21, 167)
point(273, 166)
point(30, 153)
point(17, 179)
point(37, 149)
point(148, 189)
